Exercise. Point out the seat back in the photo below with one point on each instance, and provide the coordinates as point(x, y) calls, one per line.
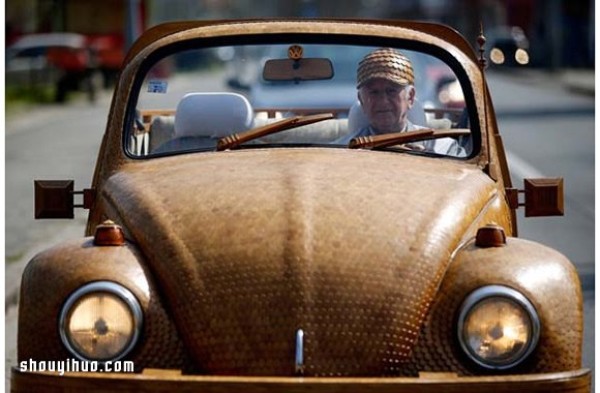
point(162, 129)
point(212, 115)
point(323, 132)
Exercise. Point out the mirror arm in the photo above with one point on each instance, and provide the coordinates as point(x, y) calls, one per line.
point(55, 198)
point(543, 197)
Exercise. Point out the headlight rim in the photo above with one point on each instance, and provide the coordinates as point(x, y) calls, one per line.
point(489, 291)
point(110, 287)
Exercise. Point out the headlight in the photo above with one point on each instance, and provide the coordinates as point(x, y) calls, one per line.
point(100, 321)
point(498, 327)
point(521, 56)
point(497, 56)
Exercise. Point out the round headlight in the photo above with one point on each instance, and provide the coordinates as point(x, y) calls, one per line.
point(498, 327)
point(521, 56)
point(497, 56)
point(100, 321)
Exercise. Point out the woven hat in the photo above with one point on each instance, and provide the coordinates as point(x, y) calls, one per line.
point(385, 63)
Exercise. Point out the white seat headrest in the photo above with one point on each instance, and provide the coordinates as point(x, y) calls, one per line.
point(212, 114)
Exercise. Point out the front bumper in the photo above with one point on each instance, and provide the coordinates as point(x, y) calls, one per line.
point(168, 381)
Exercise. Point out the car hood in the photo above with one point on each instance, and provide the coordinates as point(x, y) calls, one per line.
point(250, 246)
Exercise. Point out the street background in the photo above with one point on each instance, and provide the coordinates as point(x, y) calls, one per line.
point(545, 110)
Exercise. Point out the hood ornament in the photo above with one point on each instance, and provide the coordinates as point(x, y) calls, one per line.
point(299, 366)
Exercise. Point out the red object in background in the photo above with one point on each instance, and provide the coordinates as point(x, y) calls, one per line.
point(109, 49)
point(65, 50)
point(69, 59)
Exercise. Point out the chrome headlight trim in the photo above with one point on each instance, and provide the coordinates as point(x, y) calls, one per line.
point(107, 287)
point(491, 291)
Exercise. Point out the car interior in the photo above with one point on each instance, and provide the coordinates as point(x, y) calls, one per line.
point(172, 117)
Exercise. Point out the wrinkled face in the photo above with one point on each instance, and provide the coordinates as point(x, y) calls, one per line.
point(386, 104)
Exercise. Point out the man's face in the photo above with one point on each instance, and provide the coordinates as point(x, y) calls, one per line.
point(386, 104)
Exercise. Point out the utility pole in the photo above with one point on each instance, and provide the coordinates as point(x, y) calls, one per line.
point(133, 26)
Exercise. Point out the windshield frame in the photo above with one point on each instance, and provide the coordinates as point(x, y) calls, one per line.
point(304, 38)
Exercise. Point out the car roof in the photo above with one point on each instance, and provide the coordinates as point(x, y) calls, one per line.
point(444, 32)
point(69, 40)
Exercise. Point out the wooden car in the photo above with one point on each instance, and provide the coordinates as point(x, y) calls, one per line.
point(232, 246)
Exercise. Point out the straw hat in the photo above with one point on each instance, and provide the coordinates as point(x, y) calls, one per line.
point(385, 63)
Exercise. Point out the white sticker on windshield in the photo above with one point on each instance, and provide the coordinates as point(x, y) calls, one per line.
point(157, 87)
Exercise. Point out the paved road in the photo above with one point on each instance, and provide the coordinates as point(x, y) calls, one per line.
point(54, 142)
point(549, 132)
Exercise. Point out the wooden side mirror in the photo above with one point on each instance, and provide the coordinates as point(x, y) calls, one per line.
point(544, 197)
point(54, 198)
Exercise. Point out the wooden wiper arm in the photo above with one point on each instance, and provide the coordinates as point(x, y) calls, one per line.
point(383, 140)
point(234, 140)
point(398, 138)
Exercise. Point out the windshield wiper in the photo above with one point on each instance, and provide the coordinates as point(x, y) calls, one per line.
point(234, 140)
point(398, 138)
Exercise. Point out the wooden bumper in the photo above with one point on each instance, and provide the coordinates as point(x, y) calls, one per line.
point(166, 381)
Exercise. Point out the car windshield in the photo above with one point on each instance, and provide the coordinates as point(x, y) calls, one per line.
point(193, 100)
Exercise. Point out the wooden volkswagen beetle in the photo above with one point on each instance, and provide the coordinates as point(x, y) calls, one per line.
point(298, 245)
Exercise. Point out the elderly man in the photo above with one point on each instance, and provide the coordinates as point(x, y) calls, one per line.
point(386, 92)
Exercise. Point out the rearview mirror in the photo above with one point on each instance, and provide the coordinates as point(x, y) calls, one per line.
point(297, 70)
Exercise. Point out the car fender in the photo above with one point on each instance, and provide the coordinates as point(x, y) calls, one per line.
point(546, 277)
point(52, 275)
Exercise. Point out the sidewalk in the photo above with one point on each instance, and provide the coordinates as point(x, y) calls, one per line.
point(582, 82)
point(579, 81)
point(541, 92)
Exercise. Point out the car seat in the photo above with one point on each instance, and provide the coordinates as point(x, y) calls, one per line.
point(212, 115)
point(202, 118)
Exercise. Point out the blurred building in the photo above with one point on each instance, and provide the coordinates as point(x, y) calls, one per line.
point(106, 24)
point(560, 32)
